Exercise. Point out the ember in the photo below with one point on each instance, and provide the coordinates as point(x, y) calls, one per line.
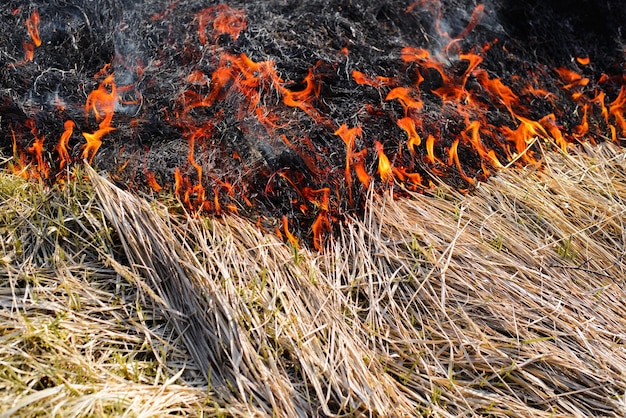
point(236, 108)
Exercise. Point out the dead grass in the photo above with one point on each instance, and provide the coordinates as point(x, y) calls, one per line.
point(508, 301)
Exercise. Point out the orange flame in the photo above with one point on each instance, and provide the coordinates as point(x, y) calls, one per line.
point(225, 19)
point(302, 99)
point(102, 102)
point(29, 52)
point(32, 24)
point(152, 182)
point(430, 149)
point(358, 163)
point(42, 167)
point(408, 125)
point(583, 60)
point(497, 90)
point(64, 155)
point(290, 237)
point(320, 227)
point(454, 158)
point(378, 81)
point(384, 166)
point(349, 135)
point(405, 97)
point(472, 135)
point(572, 78)
point(617, 108)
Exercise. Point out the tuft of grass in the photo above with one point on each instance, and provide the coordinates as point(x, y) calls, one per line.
point(116, 306)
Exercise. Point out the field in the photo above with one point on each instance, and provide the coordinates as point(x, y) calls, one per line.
point(509, 300)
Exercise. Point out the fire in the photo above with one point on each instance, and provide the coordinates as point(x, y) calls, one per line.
point(406, 97)
point(64, 155)
point(414, 140)
point(583, 60)
point(349, 136)
point(471, 135)
point(441, 111)
point(454, 158)
point(384, 166)
point(224, 19)
point(378, 81)
point(617, 108)
point(102, 102)
point(290, 237)
point(29, 52)
point(42, 167)
point(32, 24)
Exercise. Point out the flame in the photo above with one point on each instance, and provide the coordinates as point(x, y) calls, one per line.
point(384, 166)
point(102, 102)
point(463, 134)
point(571, 78)
point(36, 149)
point(358, 163)
point(302, 99)
point(225, 21)
point(29, 52)
point(454, 158)
point(549, 121)
point(497, 90)
point(617, 108)
point(290, 237)
point(64, 155)
point(94, 141)
point(195, 195)
point(378, 81)
point(32, 24)
point(408, 125)
point(405, 97)
point(349, 135)
point(413, 54)
point(430, 149)
point(583, 60)
point(17, 166)
point(152, 182)
point(472, 136)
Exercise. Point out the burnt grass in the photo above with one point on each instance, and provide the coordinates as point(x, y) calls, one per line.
point(153, 47)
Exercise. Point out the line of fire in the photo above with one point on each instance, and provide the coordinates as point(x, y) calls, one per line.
point(207, 104)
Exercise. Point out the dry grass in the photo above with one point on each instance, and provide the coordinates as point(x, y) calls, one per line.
point(508, 301)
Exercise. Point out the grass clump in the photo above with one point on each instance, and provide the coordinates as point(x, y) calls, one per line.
point(507, 301)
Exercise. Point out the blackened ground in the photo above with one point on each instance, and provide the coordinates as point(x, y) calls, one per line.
point(554, 31)
point(153, 46)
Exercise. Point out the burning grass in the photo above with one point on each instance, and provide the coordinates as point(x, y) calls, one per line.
point(507, 301)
